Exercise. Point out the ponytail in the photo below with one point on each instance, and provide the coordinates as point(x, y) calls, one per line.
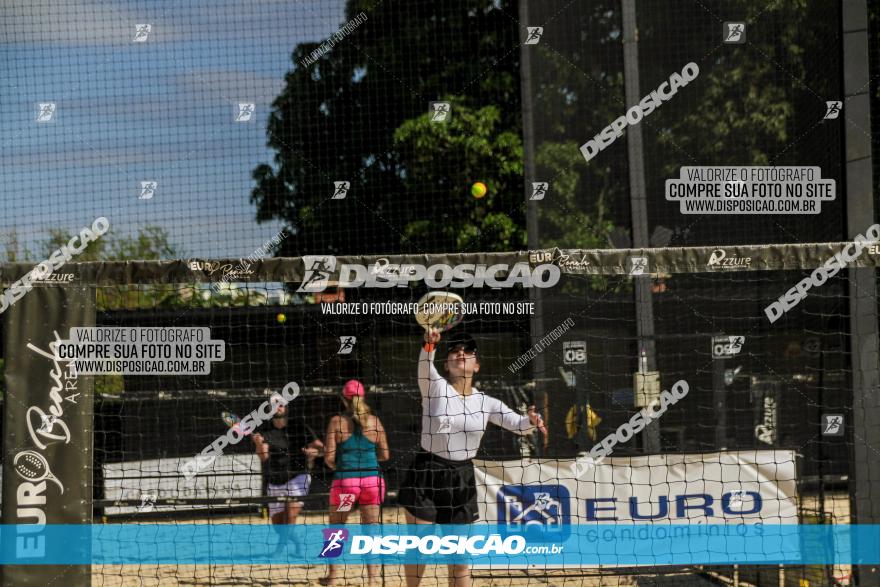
point(359, 409)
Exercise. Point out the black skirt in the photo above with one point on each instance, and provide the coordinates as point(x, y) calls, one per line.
point(440, 491)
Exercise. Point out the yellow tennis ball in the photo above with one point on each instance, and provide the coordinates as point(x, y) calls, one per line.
point(281, 318)
point(478, 190)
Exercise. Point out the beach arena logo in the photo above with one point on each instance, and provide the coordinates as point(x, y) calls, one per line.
point(570, 263)
point(545, 505)
point(334, 542)
point(227, 271)
point(318, 270)
point(34, 467)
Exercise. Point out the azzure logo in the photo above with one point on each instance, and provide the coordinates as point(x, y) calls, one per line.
point(719, 260)
point(546, 505)
point(334, 542)
point(766, 431)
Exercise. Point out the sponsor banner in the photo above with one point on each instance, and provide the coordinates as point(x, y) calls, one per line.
point(823, 273)
point(476, 544)
point(47, 440)
point(399, 271)
point(43, 272)
point(740, 487)
point(228, 477)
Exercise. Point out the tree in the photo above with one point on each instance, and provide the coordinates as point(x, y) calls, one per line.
point(474, 146)
point(12, 253)
point(755, 104)
point(150, 244)
point(358, 114)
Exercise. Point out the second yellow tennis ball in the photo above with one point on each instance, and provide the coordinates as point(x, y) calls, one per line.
point(478, 190)
point(281, 318)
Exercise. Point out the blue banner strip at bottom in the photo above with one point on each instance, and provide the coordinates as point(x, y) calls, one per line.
point(481, 544)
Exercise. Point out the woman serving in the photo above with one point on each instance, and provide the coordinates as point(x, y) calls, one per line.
point(439, 487)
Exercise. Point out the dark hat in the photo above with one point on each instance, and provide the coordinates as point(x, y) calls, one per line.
point(461, 339)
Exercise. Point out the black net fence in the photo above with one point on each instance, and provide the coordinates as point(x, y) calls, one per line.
point(776, 397)
point(760, 101)
point(382, 130)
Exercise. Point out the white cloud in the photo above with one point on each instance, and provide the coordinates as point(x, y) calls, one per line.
point(75, 22)
point(232, 85)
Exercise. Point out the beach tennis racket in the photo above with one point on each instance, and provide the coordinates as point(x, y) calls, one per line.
point(440, 310)
point(234, 422)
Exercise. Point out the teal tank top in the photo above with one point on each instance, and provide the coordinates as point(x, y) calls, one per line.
point(356, 456)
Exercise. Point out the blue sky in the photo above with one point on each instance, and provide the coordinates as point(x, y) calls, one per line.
point(159, 111)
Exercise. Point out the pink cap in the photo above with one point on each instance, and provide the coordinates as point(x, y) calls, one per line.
point(353, 388)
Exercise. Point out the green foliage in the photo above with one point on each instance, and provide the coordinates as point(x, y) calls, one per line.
point(12, 254)
point(109, 384)
point(403, 170)
point(472, 146)
point(745, 108)
point(150, 244)
point(565, 222)
point(572, 225)
point(94, 251)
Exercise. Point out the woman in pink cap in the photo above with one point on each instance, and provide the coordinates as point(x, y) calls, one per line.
point(354, 445)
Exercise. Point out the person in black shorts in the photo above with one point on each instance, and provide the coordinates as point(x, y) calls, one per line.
point(287, 456)
point(439, 487)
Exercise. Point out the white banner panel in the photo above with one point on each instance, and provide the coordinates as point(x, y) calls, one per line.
point(712, 488)
point(228, 477)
